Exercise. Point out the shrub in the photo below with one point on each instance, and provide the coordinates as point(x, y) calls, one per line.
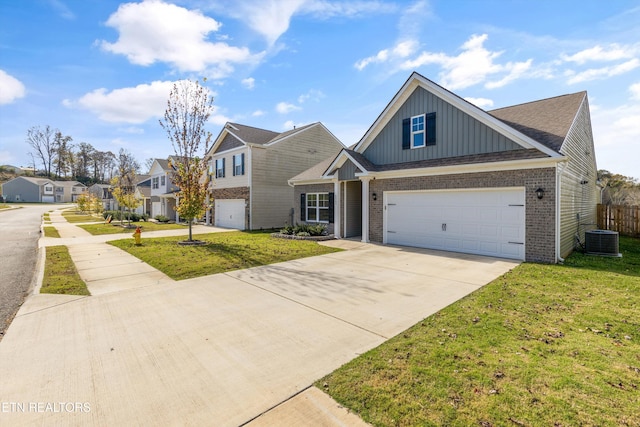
point(116, 215)
point(162, 218)
point(287, 229)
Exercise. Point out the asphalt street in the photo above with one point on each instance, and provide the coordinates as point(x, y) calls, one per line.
point(19, 234)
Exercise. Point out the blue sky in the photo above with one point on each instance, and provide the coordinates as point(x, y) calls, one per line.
point(100, 71)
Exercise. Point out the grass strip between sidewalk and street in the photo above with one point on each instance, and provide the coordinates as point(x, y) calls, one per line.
point(541, 345)
point(223, 252)
point(60, 274)
point(74, 216)
point(50, 231)
point(115, 227)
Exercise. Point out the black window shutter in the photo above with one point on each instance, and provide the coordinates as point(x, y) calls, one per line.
point(233, 171)
point(303, 207)
point(242, 161)
point(331, 210)
point(430, 126)
point(223, 167)
point(406, 134)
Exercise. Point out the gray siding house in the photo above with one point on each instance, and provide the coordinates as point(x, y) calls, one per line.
point(435, 171)
point(35, 190)
point(249, 169)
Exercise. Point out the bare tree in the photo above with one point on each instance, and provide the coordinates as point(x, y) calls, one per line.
point(63, 154)
point(42, 141)
point(148, 163)
point(188, 109)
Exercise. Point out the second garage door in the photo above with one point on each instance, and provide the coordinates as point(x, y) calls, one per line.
point(485, 222)
point(230, 213)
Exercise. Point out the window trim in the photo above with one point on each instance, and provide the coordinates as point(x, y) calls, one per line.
point(155, 181)
point(238, 169)
point(422, 131)
point(317, 208)
point(219, 168)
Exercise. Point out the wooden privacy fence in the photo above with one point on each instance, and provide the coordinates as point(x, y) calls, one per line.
point(623, 219)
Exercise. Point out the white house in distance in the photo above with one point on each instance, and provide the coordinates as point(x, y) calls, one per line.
point(163, 198)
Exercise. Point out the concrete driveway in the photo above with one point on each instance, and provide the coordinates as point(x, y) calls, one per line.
point(222, 349)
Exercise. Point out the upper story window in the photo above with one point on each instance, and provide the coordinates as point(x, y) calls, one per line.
point(163, 180)
point(419, 131)
point(59, 190)
point(238, 164)
point(48, 189)
point(220, 168)
point(154, 183)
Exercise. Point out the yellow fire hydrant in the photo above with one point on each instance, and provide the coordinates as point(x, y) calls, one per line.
point(137, 236)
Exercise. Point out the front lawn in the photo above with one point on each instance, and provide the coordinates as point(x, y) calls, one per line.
point(50, 231)
point(223, 252)
point(548, 345)
point(60, 274)
point(115, 227)
point(76, 216)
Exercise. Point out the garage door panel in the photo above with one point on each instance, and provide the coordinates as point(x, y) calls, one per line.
point(480, 222)
point(230, 213)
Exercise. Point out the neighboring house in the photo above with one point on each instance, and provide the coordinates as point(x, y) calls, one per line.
point(103, 192)
point(249, 169)
point(143, 193)
point(29, 189)
point(162, 194)
point(435, 171)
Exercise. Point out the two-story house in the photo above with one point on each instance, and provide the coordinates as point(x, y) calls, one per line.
point(162, 194)
point(249, 168)
point(435, 171)
point(31, 189)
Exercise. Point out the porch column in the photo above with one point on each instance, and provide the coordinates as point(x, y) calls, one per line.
point(177, 216)
point(207, 214)
point(365, 208)
point(337, 224)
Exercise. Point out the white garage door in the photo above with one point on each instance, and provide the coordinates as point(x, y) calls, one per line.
point(230, 213)
point(486, 222)
point(48, 199)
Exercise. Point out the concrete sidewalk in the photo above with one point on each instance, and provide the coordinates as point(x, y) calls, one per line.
point(228, 349)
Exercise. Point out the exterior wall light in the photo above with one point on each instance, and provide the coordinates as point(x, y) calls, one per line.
point(540, 192)
point(374, 196)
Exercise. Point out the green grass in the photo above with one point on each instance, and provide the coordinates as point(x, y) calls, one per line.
point(50, 231)
point(3, 206)
point(75, 216)
point(223, 252)
point(542, 345)
point(60, 274)
point(115, 227)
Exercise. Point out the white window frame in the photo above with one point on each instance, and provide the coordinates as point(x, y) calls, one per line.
point(163, 181)
point(155, 183)
point(418, 127)
point(219, 168)
point(237, 168)
point(316, 208)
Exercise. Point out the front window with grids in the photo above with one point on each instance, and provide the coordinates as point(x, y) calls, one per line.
point(318, 207)
point(417, 131)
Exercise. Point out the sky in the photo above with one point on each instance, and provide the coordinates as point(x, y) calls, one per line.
point(100, 71)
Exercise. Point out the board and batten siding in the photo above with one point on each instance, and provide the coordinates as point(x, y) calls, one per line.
point(457, 133)
point(348, 171)
point(228, 142)
point(272, 166)
point(578, 200)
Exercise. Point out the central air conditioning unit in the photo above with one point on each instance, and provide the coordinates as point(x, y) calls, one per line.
point(602, 242)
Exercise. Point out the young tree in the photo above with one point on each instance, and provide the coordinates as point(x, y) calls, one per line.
point(124, 182)
point(188, 109)
point(42, 141)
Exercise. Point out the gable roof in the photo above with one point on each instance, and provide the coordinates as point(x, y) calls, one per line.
point(417, 80)
point(31, 179)
point(547, 120)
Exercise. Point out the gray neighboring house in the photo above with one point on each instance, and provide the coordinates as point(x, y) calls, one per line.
point(249, 169)
point(435, 171)
point(103, 192)
point(35, 190)
point(163, 191)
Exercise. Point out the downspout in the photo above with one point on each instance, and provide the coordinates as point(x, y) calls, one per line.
point(559, 171)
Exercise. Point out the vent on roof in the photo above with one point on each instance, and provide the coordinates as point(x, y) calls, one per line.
point(602, 242)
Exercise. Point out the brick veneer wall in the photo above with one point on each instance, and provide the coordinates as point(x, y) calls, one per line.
point(539, 214)
point(311, 188)
point(231, 193)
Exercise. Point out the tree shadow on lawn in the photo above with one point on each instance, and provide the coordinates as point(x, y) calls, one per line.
point(628, 264)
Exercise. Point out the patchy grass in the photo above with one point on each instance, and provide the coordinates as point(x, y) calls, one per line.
point(541, 345)
point(4, 206)
point(75, 216)
point(227, 251)
point(60, 274)
point(115, 227)
point(50, 231)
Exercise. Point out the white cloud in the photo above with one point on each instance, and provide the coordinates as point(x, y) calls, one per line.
point(285, 107)
point(12, 88)
point(602, 73)
point(128, 105)
point(613, 52)
point(270, 18)
point(616, 133)
point(480, 102)
point(258, 113)
point(516, 70)
point(313, 95)
point(290, 124)
point(62, 9)
point(154, 31)
point(401, 50)
point(249, 82)
point(351, 9)
point(635, 91)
